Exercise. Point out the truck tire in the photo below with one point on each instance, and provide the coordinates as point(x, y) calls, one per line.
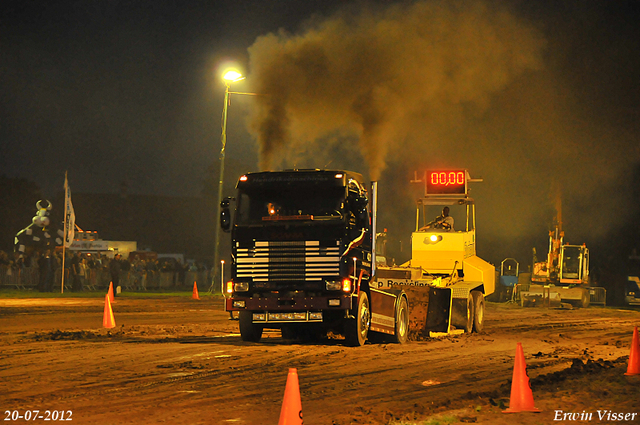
point(356, 330)
point(249, 331)
point(402, 321)
point(478, 311)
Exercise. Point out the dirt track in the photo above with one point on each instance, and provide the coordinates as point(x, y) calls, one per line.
point(177, 360)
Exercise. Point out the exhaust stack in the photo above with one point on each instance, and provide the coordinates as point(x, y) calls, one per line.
point(374, 226)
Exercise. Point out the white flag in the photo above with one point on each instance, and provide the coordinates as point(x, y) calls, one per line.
point(69, 215)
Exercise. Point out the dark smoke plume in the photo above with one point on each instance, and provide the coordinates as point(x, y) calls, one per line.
point(365, 76)
point(450, 84)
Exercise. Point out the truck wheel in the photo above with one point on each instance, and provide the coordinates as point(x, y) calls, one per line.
point(356, 330)
point(249, 331)
point(478, 311)
point(402, 321)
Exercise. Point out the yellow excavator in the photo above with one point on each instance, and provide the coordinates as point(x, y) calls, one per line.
point(563, 277)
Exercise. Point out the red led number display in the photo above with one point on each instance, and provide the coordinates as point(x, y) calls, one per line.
point(446, 182)
point(447, 178)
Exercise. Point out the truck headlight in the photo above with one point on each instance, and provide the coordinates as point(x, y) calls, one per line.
point(239, 304)
point(334, 285)
point(241, 286)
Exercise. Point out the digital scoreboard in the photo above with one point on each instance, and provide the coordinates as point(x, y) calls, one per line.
point(448, 182)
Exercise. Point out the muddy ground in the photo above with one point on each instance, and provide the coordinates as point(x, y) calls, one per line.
point(181, 361)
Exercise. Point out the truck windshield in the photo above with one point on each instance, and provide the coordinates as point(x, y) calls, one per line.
point(259, 205)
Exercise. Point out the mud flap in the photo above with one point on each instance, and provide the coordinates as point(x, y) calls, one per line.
point(429, 310)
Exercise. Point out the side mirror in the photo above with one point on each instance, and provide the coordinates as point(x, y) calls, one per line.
point(358, 203)
point(225, 214)
point(359, 208)
point(362, 202)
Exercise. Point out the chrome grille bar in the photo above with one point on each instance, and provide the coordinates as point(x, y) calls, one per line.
point(287, 261)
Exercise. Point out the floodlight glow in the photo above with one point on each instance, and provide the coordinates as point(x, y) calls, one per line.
point(232, 76)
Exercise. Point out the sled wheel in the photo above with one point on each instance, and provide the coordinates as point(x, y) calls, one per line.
point(478, 311)
point(468, 327)
point(402, 321)
point(356, 330)
point(249, 331)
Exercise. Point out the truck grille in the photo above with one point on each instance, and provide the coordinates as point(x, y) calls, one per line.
point(288, 261)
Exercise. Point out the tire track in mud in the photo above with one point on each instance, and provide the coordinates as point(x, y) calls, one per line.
point(583, 324)
point(272, 362)
point(353, 376)
point(227, 371)
point(133, 391)
point(169, 363)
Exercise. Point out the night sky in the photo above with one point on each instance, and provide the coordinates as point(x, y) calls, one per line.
point(535, 97)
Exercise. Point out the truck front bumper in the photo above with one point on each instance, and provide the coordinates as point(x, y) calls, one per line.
point(290, 305)
point(267, 317)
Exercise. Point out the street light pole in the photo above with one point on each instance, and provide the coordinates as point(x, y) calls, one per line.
point(229, 77)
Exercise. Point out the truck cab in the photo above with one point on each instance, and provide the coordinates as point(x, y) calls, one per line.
point(301, 251)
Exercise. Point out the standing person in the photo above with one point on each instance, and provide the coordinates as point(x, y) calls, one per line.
point(46, 266)
point(152, 273)
point(84, 271)
point(92, 272)
point(74, 272)
point(181, 271)
point(138, 273)
point(125, 268)
point(114, 270)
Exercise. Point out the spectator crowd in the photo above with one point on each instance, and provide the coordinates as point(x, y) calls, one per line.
point(85, 271)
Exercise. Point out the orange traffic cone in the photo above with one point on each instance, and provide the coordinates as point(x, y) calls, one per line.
point(195, 292)
point(521, 394)
point(291, 412)
point(108, 321)
point(110, 293)
point(634, 356)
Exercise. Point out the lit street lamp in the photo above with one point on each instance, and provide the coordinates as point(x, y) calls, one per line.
point(229, 77)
